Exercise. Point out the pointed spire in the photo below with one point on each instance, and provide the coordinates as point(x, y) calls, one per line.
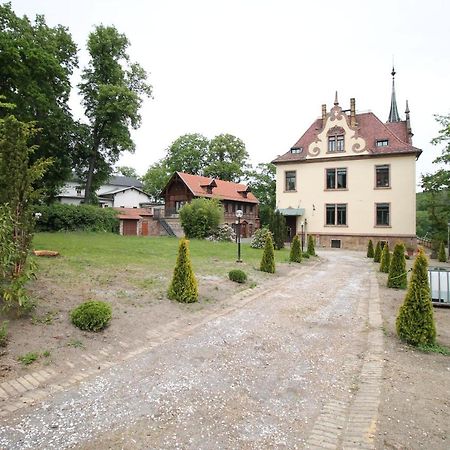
point(336, 99)
point(393, 114)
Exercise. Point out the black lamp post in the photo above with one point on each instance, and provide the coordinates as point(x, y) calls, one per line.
point(238, 233)
point(448, 242)
point(303, 234)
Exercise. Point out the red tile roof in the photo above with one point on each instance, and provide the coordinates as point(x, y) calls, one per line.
point(370, 128)
point(133, 213)
point(225, 190)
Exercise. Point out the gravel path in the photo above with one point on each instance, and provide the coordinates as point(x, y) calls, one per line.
point(292, 368)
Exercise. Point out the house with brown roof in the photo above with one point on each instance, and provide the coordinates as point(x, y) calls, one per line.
point(182, 188)
point(350, 178)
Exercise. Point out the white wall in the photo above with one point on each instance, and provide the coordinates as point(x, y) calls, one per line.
point(130, 198)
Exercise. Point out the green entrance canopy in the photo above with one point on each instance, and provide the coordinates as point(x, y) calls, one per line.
point(292, 211)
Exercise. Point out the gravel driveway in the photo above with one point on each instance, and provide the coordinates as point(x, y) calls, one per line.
point(294, 366)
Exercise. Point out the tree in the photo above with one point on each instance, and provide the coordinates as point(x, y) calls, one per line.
point(278, 228)
point(188, 153)
point(397, 270)
point(263, 185)
point(183, 287)
point(113, 90)
point(385, 259)
point(127, 171)
point(415, 321)
point(227, 157)
point(155, 179)
point(377, 253)
point(311, 250)
point(201, 217)
point(268, 257)
point(36, 63)
point(442, 257)
point(370, 252)
point(296, 251)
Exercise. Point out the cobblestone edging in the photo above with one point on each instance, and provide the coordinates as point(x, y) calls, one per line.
point(21, 392)
point(351, 423)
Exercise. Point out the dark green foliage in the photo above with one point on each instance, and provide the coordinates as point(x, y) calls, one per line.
point(59, 217)
point(306, 255)
point(201, 217)
point(4, 334)
point(237, 275)
point(311, 250)
point(296, 253)
point(370, 251)
point(268, 258)
point(91, 315)
point(183, 287)
point(377, 253)
point(415, 322)
point(385, 259)
point(278, 228)
point(155, 179)
point(397, 270)
point(259, 237)
point(442, 257)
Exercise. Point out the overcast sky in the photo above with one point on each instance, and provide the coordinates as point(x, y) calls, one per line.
point(261, 69)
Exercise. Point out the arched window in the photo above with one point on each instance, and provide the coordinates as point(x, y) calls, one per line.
point(336, 142)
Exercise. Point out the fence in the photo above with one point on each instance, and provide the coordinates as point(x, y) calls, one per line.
point(439, 278)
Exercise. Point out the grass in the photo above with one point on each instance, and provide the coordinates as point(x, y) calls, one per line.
point(436, 348)
point(28, 358)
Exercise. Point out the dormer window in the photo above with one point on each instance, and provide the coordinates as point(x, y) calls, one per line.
point(336, 142)
point(296, 149)
point(382, 142)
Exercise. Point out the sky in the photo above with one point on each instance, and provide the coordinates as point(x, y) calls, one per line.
point(261, 69)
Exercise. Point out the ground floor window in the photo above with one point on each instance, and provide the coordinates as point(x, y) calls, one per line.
point(335, 243)
point(336, 214)
point(382, 214)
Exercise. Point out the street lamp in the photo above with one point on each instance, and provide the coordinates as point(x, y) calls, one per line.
point(238, 233)
point(448, 242)
point(303, 235)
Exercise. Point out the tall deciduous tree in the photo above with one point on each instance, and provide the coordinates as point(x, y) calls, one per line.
point(155, 179)
point(36, 64)
point(228, 158)
point(188, 153)
point(113, 89)
point(127, 171)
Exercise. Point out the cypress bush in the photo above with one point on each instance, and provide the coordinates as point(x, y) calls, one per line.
point(296, 251)
point(311, 250)
point(91, 315)
point(397, 268)
point(377, 253)
point(183, 287)
point(442, 257)
point(385, 259)
point(278, 229)
point(415, 322)
point(268, 257)
point(370, 252)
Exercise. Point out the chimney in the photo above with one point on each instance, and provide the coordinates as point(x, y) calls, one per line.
point(324, 113)
point(352, 112)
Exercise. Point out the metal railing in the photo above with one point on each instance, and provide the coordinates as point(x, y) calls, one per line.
point(439, 279)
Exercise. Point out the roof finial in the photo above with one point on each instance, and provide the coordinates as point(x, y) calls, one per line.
point(336, 99)
point(393, 113)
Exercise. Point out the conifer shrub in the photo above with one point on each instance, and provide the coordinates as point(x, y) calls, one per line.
point(415, 321)
point(237, 275)
point(385, 259)
point(397, 269)
point(278, 228)
point(311, 250)
point(296, 252)
point(370, 252)
point(268, 257)
point(91, 315)
point(183, 287)
point(442, 257)
point(306, 255)
point(377, 253)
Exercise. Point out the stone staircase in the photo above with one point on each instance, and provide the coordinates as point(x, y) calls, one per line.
point(172, 226)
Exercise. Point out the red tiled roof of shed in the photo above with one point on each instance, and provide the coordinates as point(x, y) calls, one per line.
point(133, 213)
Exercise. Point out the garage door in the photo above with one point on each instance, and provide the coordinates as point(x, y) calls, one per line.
point(130, 227)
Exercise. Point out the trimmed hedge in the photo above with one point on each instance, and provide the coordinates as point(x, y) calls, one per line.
point(91, 315)
point(61, 217)
point(268, 258)
point(237, 275)
point(296, 253)
point(370, 251)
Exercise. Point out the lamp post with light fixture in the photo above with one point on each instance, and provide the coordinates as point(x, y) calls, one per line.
point(448, 241)
point(303, 235)
point(238, 233)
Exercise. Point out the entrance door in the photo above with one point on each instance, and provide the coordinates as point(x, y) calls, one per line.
point(144, 228)
point(130, 227)
point(291, 225)
point(244, 229)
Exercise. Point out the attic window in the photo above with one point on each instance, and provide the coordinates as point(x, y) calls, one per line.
point(296, 149)
point(382, 142)
point(336, 141)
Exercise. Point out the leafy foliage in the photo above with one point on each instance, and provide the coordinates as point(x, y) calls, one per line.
point(60, 217)
point(296, 252)
point(4, 334)
point(259, 237)
point(370, 251)
point(397, 277)
point(415, 321)
point(385, 259)
point(268, 257)
point(188, 153)
point(155, 179)
point(28, 358)
point(183, 287)
point(442, 257)
point(278, 228)
point(201, 217)
point(237, 275)
point(91, 315)
point(377, 253)
point(223, 233)
point(127, 171)
point(311, 250)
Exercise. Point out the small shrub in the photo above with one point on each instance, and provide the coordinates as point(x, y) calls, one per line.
point(311, 250)
point(385, 259)
point(237, 275)
point(268, 258)
point(442, 257)
point(223, 233)
point(296, 252)
point(28, 358)
point(4, 334)
point(397, 269)
point(370, 252)
point(46, 353)
point(259, 238)
point(305, 255)
point(183, 287)
point(200, 217)
point(377, 253)
point(91, 315)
